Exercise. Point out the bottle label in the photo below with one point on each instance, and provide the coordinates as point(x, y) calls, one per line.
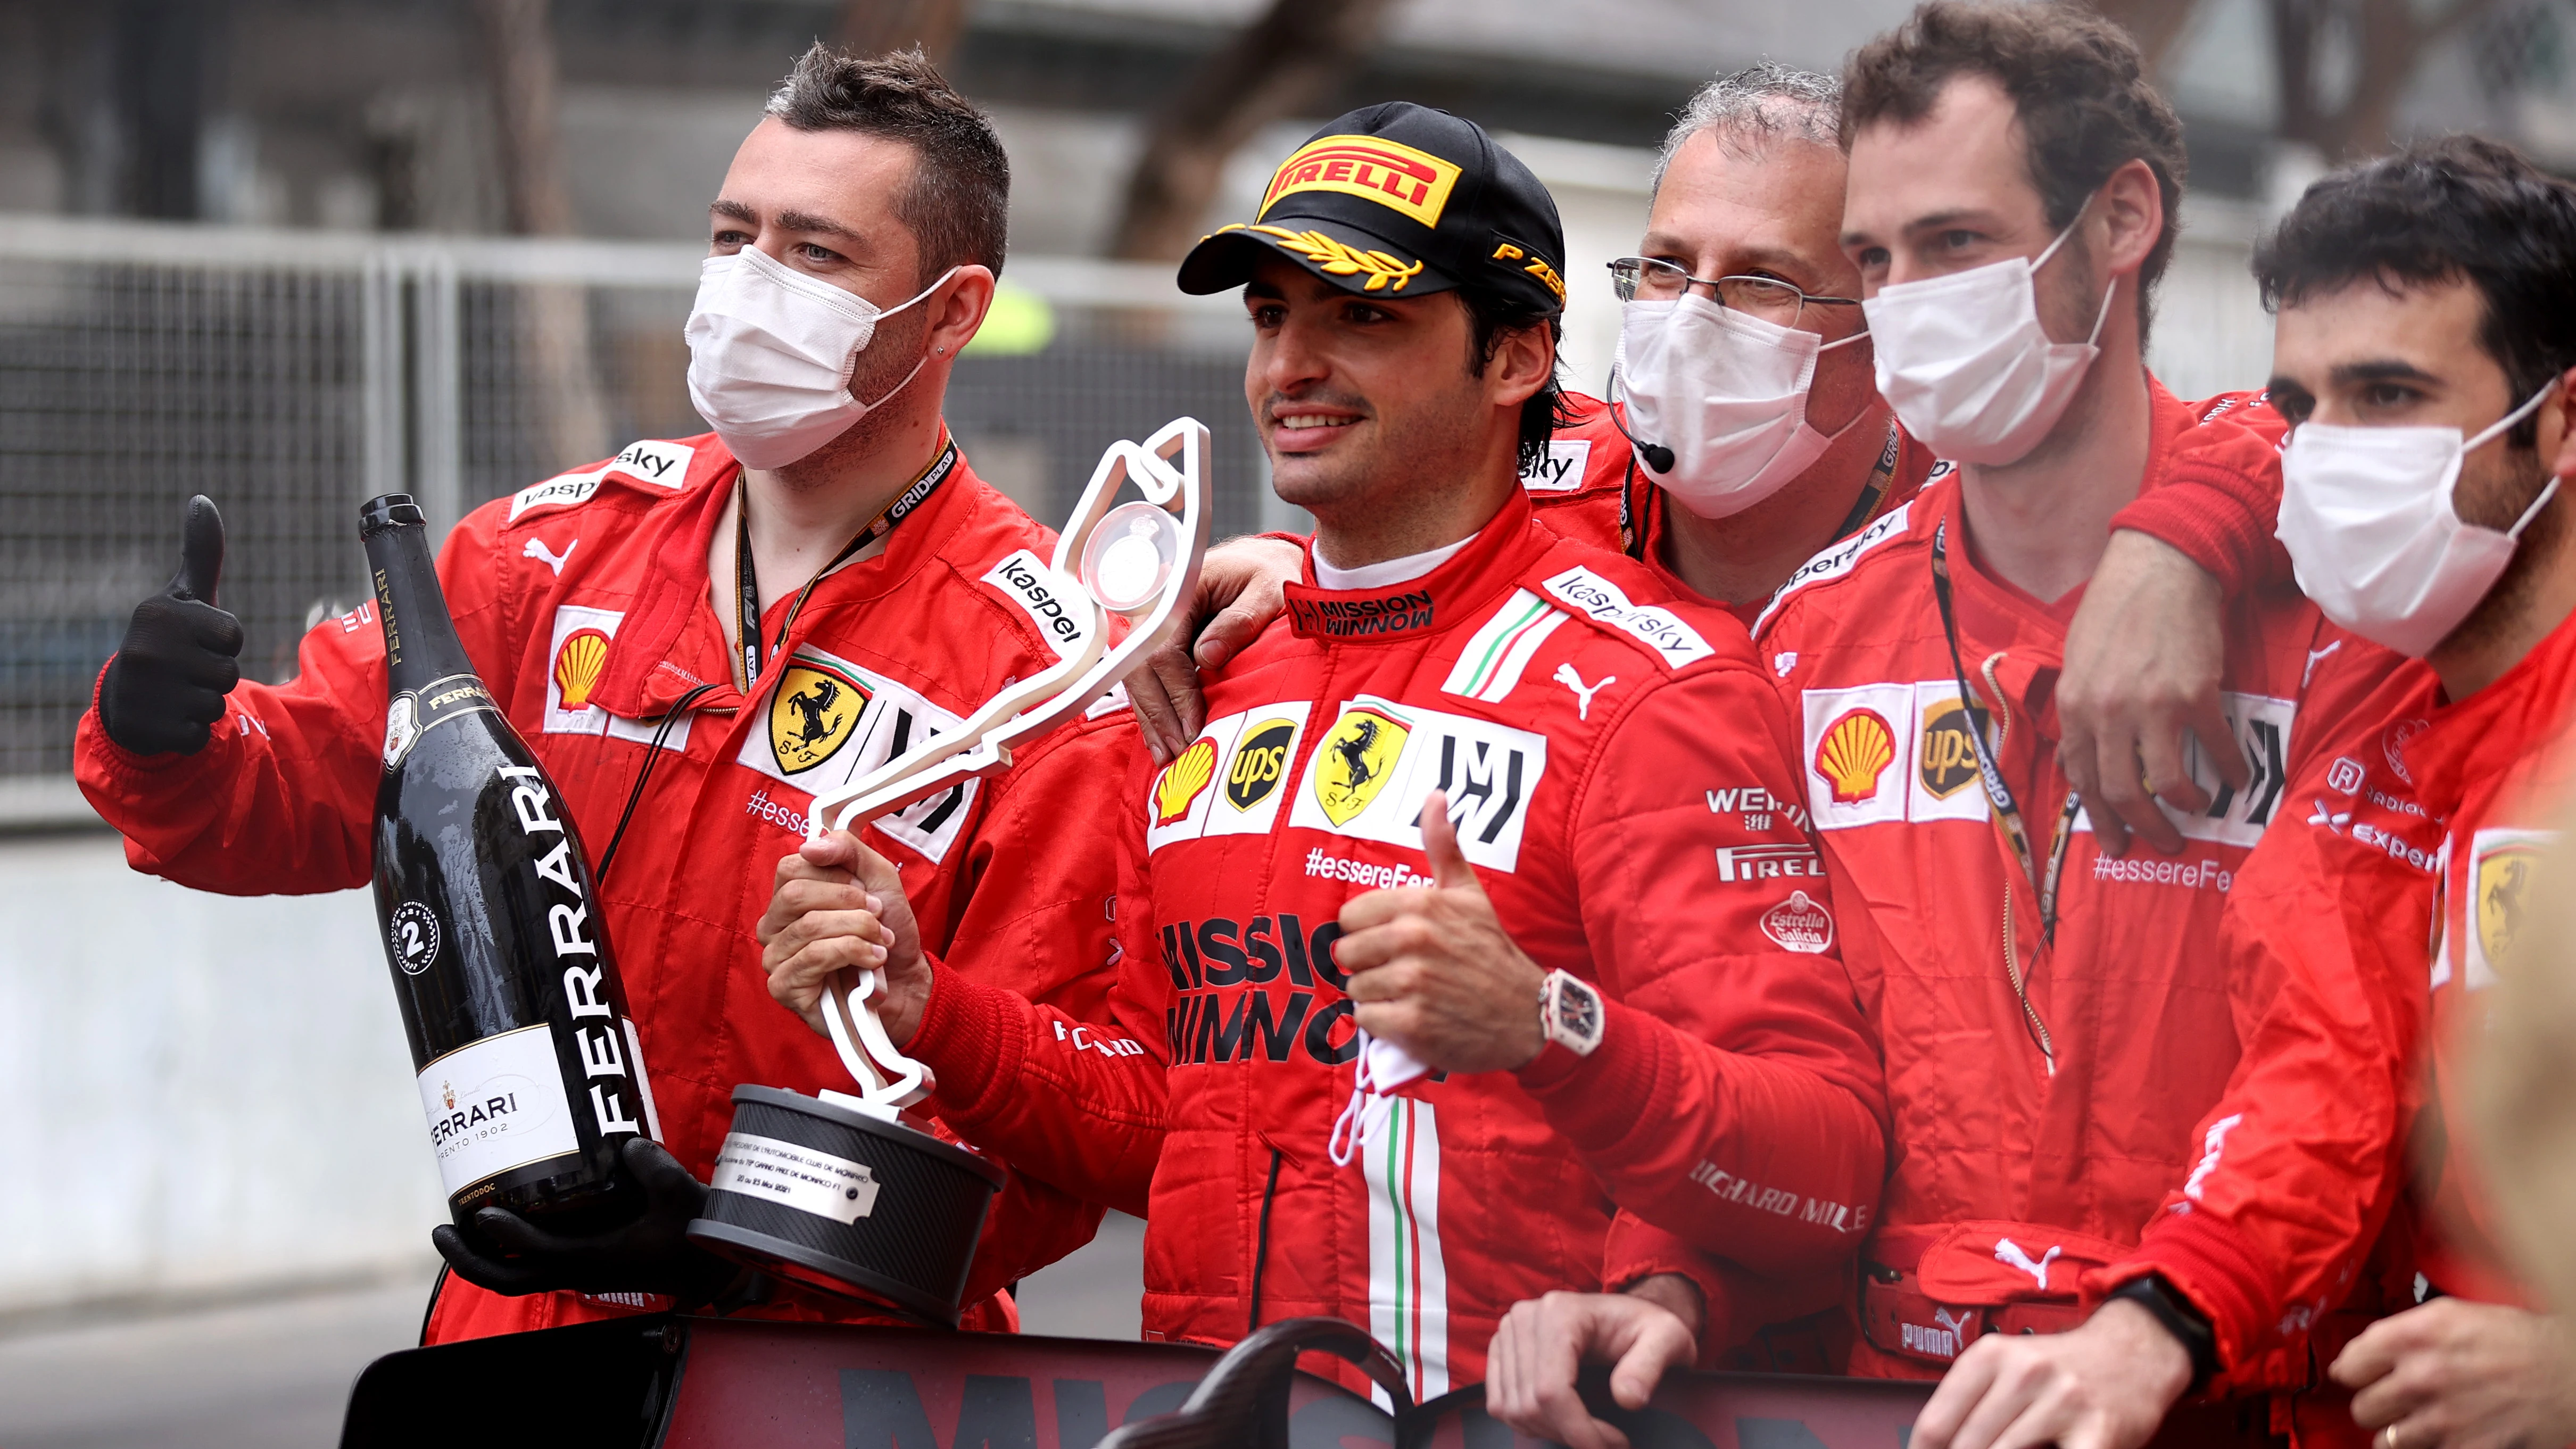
point(496, 1105)
point(798, 1177)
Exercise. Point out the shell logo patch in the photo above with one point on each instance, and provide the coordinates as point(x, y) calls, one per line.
point(1355, 761)
point(1259, 761)
point(1182, 781)
point(2503, 896)
point(812, 714)
point(1949, 753)
point(1398, 177)
point(1855, 754)
point(578, 661)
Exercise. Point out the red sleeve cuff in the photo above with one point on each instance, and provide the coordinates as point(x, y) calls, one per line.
point(2210, 1263)
point(972, 1037)
point(1607, 1090)
point(2219, 518)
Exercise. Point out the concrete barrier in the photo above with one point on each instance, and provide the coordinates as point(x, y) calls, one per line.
point(199, 1095)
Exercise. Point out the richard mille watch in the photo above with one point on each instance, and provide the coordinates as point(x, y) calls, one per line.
point(1569, 1013)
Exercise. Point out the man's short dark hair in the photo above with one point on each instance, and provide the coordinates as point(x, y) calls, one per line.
point(1490, 317)
point(958, 204)
point(2077, 84)
point(2461, 208)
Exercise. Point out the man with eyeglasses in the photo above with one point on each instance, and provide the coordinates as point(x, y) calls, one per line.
point(2070, 1231)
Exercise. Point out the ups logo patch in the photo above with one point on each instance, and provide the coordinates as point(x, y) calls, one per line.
point(1949, 751)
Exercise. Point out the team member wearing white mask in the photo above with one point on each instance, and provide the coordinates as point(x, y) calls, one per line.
point(696, 635)
point(2426, 350)
point(2062, 1027)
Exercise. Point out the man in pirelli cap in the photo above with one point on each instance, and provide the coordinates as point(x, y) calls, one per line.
point(1399, 200)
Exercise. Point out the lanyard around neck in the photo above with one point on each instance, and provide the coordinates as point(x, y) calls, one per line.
point(747, 580)
point(2000, 804)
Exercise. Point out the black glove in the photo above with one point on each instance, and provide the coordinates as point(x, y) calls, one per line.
point(167, 683)
point(649, 1254)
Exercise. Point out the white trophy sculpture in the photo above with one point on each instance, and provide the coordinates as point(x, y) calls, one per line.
point(838, 1193)
point(1137, 561)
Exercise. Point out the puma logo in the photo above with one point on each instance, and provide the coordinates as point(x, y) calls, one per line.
point(1957, 1323)
point(2315, 658)
point(536, 549)
point(2010, 1254)
point(1583, 693)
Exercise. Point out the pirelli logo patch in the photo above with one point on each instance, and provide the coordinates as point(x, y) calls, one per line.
point(1395, 176)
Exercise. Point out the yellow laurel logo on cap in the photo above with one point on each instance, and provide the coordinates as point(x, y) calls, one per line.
point(1395, 176)
point(1340, 259)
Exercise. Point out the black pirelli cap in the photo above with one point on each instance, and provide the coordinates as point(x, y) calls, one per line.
point(1398, 200)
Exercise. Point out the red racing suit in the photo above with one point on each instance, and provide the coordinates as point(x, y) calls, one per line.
point(1656, 849)
point(894, 644)
point(2447, 811)
point(2034, 1136)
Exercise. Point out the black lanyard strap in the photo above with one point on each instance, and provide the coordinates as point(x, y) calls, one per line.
point(747, 580)
point(2000, 804)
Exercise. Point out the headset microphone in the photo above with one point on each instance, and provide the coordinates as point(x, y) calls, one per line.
point(1657, 456)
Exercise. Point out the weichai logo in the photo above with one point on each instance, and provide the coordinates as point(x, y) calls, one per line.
point(1229, 1010)
point(1413, 183)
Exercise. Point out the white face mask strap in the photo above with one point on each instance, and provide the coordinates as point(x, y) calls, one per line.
point(2105, 314)
point(2072, 222)
point(917, 296)
point(2530, 406)
point(2528, 514)
point(1842, 342)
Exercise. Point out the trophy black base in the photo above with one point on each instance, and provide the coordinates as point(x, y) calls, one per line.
point(844, 1202)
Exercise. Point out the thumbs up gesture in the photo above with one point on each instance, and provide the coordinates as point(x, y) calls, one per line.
point(1432, 970)
point(167, 683)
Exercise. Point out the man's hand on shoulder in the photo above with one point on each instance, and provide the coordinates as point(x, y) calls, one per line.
point(2103, 1385)
point(1543, 1344)
point(1239, 594)
point(2144, 656)
point(2452, 1374)
point(1432, 969)
point(840, 906)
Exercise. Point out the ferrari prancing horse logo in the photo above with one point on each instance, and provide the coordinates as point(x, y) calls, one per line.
point(2503, 894)
point(812, 714)
point(1354, 761)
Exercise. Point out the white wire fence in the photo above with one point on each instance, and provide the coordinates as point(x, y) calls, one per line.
point(291, 375)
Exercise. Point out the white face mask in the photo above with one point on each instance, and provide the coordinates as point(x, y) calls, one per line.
point(2367, 516)
point(1966, 365)
point(770, 355)
point(1727, 393)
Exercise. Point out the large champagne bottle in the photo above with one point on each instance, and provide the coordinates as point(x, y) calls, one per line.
point(530, 1072)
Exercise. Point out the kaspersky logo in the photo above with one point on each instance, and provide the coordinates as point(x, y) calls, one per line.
point(1410, 182)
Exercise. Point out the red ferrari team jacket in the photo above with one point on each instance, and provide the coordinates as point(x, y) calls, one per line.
point(2038, 1125)
point(1621, 776)
point(2425, 842)
point(584, 602)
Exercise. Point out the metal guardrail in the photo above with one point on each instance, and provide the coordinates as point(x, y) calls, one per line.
point(291, 374)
